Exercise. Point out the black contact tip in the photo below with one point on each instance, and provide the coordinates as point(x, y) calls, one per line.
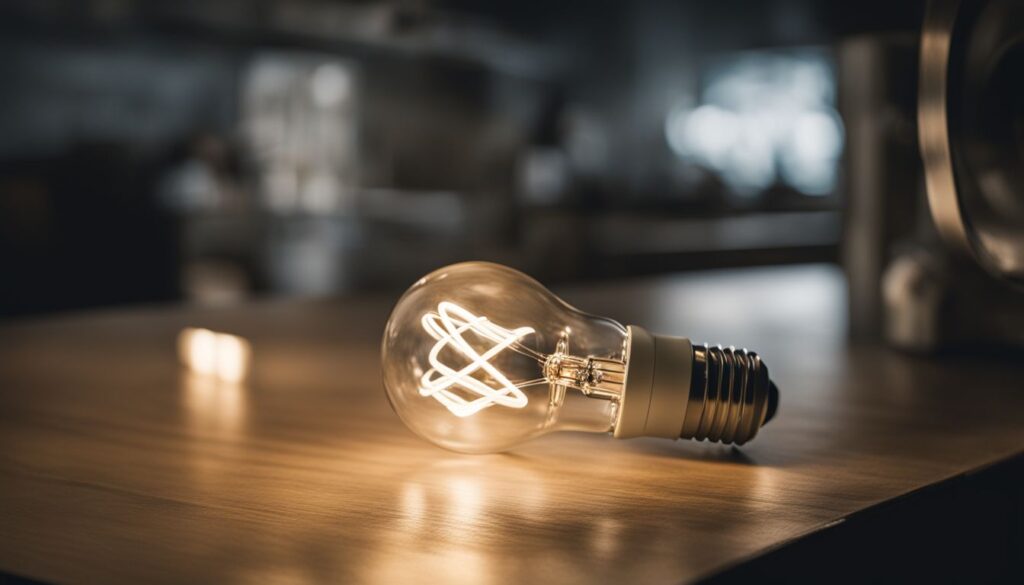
point(773, 401)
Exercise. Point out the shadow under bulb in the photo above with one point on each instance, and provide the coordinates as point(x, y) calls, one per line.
point(478, 357)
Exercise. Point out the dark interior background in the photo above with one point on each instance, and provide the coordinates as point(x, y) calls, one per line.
point(215, 150)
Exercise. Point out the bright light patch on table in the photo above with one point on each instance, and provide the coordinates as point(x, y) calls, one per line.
point(414, 503)
point(214, 406)
point(219, 355)
point(465, 500)
point(605, 536)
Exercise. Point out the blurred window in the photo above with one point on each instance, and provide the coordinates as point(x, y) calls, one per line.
point(764, 118)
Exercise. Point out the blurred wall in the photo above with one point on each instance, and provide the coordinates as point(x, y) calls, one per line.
point(211, 151)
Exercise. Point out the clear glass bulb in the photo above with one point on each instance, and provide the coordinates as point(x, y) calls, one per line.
point(479, 357)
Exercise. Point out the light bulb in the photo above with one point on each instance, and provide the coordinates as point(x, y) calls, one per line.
point(478, 357)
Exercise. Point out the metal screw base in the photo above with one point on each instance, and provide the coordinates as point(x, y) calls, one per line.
point(731, 396)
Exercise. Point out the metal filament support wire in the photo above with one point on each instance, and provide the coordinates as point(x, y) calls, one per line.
point(731, 395)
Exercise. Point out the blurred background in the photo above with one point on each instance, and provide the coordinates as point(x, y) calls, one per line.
point(217, 150)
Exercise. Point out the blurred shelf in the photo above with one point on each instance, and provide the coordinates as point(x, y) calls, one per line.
point(631, 236)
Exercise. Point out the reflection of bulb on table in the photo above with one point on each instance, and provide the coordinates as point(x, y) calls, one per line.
point(478, 357)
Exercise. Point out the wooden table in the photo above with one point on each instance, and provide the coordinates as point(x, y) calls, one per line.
point(117, 465)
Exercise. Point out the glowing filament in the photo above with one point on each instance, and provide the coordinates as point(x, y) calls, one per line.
point(447, 326)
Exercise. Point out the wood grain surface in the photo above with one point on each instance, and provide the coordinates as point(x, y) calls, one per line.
point(118, 465)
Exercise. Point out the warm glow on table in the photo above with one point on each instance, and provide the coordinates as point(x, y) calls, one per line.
point(119, 463)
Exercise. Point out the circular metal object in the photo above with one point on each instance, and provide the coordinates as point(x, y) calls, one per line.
point(971, 128)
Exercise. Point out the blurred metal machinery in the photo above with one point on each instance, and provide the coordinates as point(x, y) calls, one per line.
point(941, 266)
point(971, 127)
